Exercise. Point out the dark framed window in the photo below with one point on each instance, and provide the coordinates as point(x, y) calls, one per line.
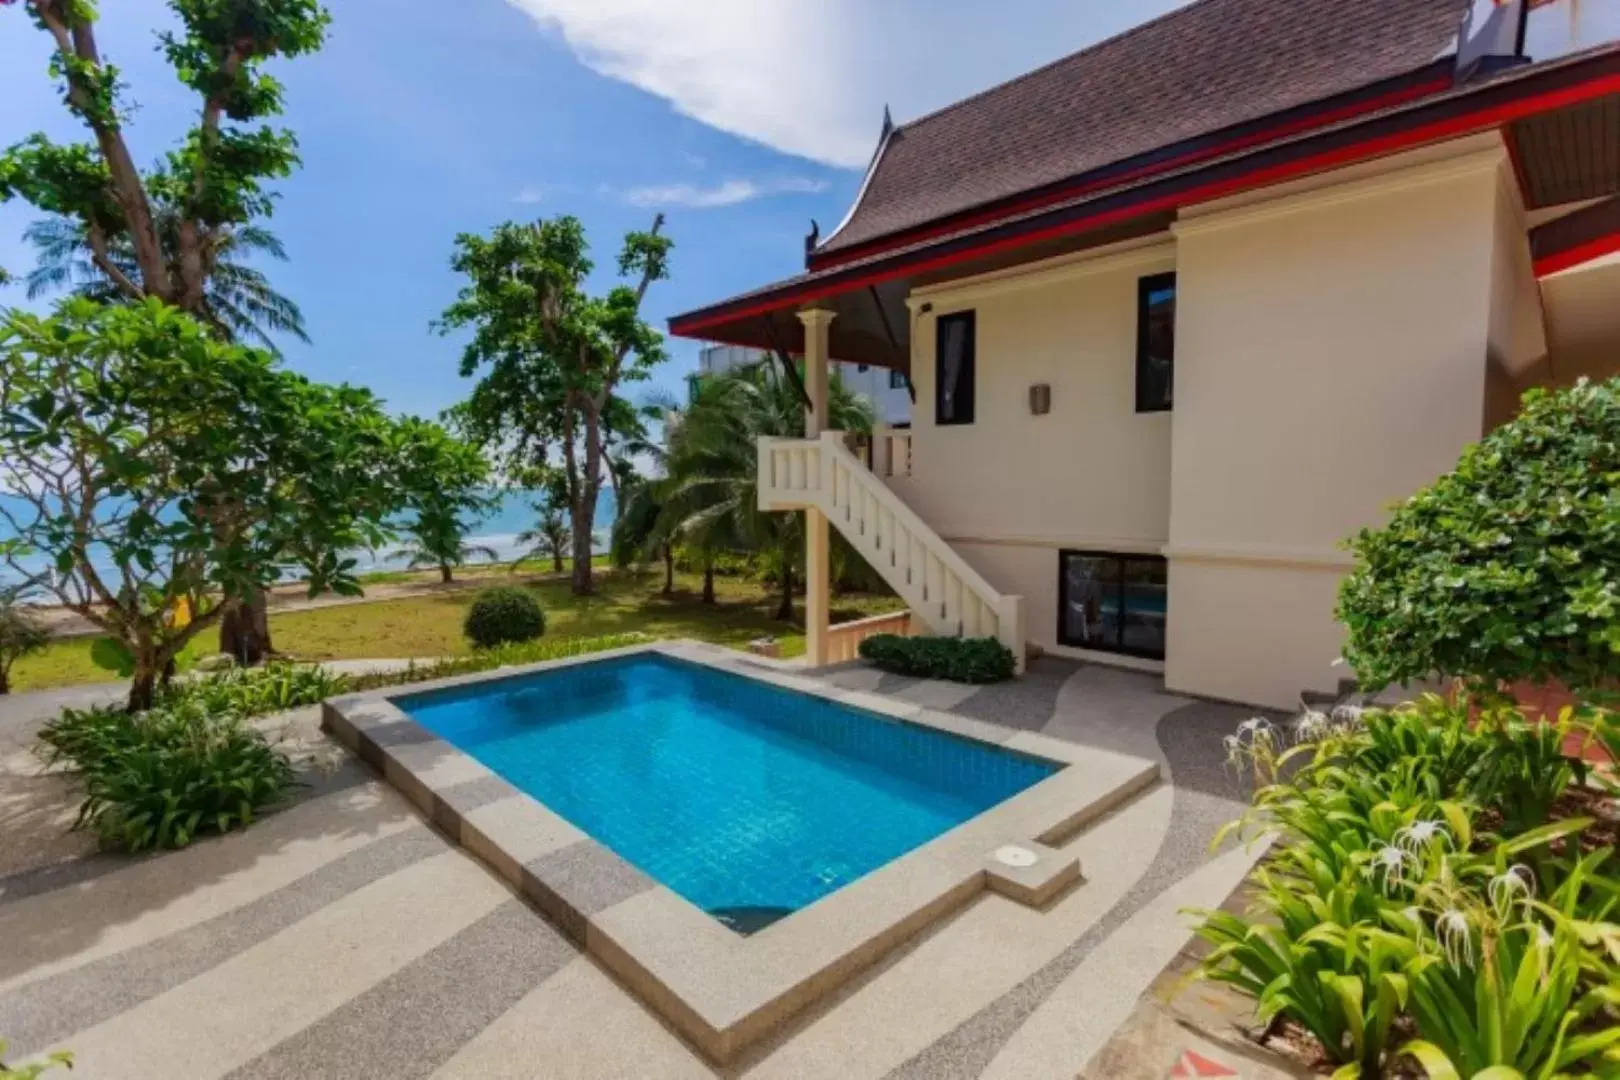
point(953, 368)
point(1114, 603)
point(897, 380)
point(1155, 342)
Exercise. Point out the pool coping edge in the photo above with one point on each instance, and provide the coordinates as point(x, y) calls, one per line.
point(721, 990)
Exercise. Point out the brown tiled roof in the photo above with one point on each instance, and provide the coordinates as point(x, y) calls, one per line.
point(1208, 66)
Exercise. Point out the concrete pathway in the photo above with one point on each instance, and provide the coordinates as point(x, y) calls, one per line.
point(344, 937)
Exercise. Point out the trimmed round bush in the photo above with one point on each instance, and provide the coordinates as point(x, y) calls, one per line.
point(504, 615)
point(967, 660)
point(1506, 569)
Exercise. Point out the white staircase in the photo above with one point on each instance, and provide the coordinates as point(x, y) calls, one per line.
point(947, 594)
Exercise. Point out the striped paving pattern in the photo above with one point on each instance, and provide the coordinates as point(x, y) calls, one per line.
point(346, 937)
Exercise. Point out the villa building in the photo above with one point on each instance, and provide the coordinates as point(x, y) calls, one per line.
point(1186, 309)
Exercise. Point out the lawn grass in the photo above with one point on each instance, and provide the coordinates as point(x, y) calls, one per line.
point(430, 626)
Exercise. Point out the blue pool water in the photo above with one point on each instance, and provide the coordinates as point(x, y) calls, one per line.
point(742, 797)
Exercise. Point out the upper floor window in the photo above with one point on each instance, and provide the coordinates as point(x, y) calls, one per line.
point(1155, 342)
point(897, 380)
point(953, 368)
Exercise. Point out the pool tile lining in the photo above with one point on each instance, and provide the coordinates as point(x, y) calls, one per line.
point(721, 990)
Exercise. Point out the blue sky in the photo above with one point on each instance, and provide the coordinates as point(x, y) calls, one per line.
point(741, 119)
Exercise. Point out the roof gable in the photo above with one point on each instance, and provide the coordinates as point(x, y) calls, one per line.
point(1209, 66)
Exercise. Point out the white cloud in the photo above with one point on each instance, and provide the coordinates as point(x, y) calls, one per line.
point(726, 193)
point(811, 77)
point(532, 194)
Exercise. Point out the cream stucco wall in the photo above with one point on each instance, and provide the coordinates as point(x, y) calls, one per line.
point(1336, 350)
point(1331, 359)
point(1012, 489)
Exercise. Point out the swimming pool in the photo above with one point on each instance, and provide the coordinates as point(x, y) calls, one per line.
point(746, 799)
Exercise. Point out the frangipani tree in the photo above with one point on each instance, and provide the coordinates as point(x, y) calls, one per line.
point(166, 232)
point(164, 475)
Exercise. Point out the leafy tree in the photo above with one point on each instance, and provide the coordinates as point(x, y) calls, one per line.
point(238, 302)
point(162, 471)
point(1507, 568)
point(444, 484)
point(712, 498)
point(160, 234)
point(21, 632)
point(552, 358)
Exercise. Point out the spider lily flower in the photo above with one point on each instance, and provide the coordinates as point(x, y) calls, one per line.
point(1418, 836)
point(1456, 937)
point(1312, 724)
point(1515, 885)
point(1388, 866)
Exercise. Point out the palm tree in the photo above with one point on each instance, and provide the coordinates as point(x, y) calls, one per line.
point(639, 531)
point(238, 301)
point(712, 494)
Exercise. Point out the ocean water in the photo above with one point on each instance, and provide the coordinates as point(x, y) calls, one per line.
point(498, 529)
point(749, 800)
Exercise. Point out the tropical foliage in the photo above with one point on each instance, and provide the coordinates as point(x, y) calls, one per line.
point(1503, 570)
point(164, 777)
point(1418, 905)
point(238, 302)
point(167, 476)
point(711, 494)
point(443, 483)
point(173, 233)
point(552, 359)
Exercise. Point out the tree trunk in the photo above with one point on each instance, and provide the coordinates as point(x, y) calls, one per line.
point(143, 684)
point(708, 579)
point(669, 570)
point(557, 559)
point(584, 508)
point(244, 632)
point(5, 681)
point(784, 612)
point(444, 573)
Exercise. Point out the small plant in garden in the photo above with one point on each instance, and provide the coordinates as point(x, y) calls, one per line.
point(502, 615)
point(34, 1071)
point(254, 691)
point(21, 632)
point(1503, 570)
point(968, 660)
point(164, 777)
point(1391, 927)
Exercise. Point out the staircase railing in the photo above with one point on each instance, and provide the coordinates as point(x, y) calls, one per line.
point(947, 594)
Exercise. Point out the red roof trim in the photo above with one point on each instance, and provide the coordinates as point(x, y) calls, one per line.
point(1581, 253)
point(1295, 126)
point(1469, 122)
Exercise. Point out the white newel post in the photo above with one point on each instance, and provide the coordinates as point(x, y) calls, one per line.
point(817, 324)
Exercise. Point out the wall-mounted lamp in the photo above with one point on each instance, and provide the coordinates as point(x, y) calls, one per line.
point(1040, 399)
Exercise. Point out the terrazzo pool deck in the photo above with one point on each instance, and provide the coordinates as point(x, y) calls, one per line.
point(347, 936)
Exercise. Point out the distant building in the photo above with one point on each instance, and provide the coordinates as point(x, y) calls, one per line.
point(886, 390)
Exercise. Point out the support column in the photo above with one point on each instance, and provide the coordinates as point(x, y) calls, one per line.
point(817, 324)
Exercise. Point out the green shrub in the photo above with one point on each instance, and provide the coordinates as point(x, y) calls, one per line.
point(35, 1071)
point(164, 777)
point(253, 691)
point(1504, 569)
point(968, 660)
point(502, 615)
